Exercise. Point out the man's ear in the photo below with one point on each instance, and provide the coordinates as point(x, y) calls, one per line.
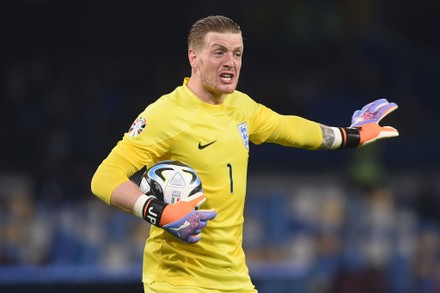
point(192, 57)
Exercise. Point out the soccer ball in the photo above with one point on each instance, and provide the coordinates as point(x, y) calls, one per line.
point(171, 181)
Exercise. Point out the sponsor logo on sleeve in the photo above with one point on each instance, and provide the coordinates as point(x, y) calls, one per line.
point(137, 127)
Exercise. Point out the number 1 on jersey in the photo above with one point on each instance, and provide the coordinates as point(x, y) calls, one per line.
point(231, 180)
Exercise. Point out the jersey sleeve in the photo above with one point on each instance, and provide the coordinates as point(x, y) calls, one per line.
point(148, 140)
point(286, 130)
point(114, 170)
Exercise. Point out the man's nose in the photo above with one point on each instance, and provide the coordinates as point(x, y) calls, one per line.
point(229, 60)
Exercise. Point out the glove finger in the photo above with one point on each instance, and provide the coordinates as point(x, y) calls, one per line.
point(388, 131)
point(206, 215)
point(385, 132)
point(362, 118)
point(197, 199)
point(202, 225)
point(193, 238)
point(370, 107)
point(376, 105)
point(387, 110)
point(356, 114)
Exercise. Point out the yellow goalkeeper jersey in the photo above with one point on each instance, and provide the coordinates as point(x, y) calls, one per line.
point(214, 140)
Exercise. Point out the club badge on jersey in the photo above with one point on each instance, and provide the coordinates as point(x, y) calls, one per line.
point(243, 130)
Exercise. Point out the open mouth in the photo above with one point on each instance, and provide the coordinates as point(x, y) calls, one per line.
point(226, 77)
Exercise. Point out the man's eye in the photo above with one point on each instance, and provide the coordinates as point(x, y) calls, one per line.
point(218, 53)
point(237, 54)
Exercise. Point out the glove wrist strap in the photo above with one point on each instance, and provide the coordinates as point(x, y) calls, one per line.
point(153, 211)
point(350, 137)
point(149, 208)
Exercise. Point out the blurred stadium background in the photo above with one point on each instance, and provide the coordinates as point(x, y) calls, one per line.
point(74, 74)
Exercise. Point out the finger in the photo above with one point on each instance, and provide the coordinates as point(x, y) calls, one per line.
point(376, 105)
point(373, 106)
point(197, 199)
point(357, 113)
point(388, 131)
point(360, 117)
point(202, 225)
point(384, 132)
point(193, 239)
point(389, 108)
point(206, 215)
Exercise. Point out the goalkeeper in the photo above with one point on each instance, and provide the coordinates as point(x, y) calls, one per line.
point(208, 124)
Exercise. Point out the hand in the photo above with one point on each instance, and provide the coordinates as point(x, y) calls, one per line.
point(367, 121)
point(180, 219)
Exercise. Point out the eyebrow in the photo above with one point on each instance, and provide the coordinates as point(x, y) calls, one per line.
point(220, 46)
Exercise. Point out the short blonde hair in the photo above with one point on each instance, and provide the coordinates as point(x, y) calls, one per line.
point(214, 23)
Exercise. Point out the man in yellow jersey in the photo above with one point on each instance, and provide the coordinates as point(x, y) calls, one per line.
point(208, 124)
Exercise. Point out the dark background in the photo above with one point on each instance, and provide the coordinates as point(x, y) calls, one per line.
point(74, 75)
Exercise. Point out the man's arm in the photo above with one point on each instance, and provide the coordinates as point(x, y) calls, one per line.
point(125, 195)
point(111, 183)
point(331, 138)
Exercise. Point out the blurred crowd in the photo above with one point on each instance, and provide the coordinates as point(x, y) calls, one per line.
point(316, 232)
point(337, 234)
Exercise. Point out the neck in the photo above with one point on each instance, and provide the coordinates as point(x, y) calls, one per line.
point(205, 95)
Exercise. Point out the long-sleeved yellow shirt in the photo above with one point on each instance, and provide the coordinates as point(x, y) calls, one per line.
point(214, 140)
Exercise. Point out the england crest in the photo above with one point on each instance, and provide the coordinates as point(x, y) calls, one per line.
point(243, 130)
